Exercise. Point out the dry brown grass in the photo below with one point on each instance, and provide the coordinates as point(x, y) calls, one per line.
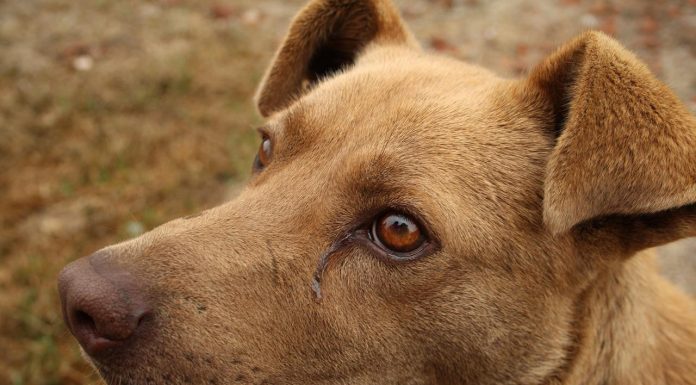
point(161, 124)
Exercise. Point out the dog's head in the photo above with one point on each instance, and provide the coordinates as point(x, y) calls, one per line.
point(411, 219)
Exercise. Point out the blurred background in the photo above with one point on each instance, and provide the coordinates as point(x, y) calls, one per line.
point(116, 116)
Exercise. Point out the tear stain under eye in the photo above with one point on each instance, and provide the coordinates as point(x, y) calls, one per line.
point(324, 261)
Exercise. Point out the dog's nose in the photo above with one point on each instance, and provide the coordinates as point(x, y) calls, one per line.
point(103, 305)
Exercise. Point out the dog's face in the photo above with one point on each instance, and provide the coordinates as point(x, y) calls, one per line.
point(411, 219)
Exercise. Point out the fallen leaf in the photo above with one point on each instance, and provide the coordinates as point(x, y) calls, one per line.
point(222, 11)
point(441, 44)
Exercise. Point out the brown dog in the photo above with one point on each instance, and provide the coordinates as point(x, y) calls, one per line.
point(417, 220)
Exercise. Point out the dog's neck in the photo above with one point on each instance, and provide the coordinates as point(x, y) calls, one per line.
point(634, 328)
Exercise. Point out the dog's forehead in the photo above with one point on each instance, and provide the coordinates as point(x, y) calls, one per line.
point(395, 95)
point(421, 111)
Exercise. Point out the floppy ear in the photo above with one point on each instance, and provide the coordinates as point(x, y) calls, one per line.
point(325, 37)
point(625, 145)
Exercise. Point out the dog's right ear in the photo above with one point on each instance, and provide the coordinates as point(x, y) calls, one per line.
point(624, 162)
point(326, 37)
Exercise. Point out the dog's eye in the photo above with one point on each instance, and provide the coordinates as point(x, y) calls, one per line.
point(263, 156)
point(397, 232)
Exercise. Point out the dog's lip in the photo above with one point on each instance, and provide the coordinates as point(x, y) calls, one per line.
point(95, 346)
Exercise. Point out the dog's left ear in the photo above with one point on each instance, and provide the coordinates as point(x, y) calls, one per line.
point(325, 37)
point(625, 145)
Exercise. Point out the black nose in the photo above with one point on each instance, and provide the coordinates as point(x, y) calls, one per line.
point(103, 304)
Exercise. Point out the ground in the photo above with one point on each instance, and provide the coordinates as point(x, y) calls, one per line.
point(116, 116)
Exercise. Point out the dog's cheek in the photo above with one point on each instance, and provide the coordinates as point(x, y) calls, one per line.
point(488, 328)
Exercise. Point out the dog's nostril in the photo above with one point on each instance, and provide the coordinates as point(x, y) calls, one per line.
point(83, 320)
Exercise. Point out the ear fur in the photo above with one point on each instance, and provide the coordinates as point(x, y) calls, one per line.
point(325, 37)
point(625, 144)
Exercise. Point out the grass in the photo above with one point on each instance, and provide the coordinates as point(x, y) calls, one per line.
point(160, 126)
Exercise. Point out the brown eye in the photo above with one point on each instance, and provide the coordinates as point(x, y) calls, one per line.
point(397, 232)
point(264, 154)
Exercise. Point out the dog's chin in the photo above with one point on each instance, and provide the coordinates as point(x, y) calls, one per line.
point(148, 367)
point(147, 375)
point(109, 377)
point(150, 376)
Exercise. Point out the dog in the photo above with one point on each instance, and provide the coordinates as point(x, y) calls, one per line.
point(413, 219)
